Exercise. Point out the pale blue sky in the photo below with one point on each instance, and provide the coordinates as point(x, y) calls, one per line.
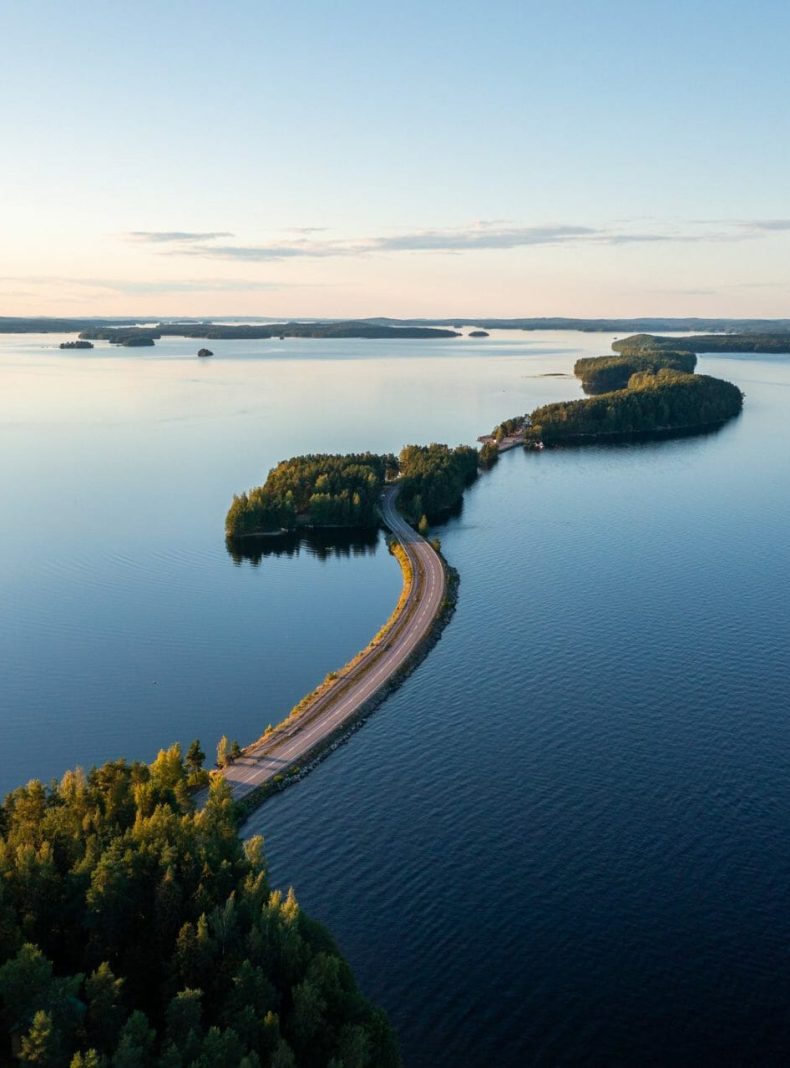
point(579, 158)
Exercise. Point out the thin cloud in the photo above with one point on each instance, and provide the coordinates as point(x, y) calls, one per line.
point(145, 288)
point(163, 237)
point(767, 225)
point(485, 236)
point(482, 235)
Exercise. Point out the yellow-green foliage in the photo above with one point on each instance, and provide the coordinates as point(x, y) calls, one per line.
point(135, 930)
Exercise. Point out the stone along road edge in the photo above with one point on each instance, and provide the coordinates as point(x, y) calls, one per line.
point(321, 717)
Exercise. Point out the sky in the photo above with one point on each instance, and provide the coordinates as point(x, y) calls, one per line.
point(360, 158)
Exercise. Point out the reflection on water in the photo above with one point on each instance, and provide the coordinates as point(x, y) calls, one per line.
point(323, 544)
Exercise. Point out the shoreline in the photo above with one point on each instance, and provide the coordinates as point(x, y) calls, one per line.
point(339, 704)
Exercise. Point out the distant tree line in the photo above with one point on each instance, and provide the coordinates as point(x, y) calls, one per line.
point(667, 400)
point(600, 374)
point(137, 932)
point(40, 325)
point(262, 331)
point(317, 490)
point(775, 342)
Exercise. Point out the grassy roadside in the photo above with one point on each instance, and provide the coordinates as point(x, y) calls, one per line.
point(336, 681)
point(328, 744)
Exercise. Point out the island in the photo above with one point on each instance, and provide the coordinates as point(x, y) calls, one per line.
point(76, 344)
point(324, 490)
point(205, 352)
point(136, 341)
point(266, 331)
point(479, 333)
point(599, 374)
point(664, 403)
point(777, 342)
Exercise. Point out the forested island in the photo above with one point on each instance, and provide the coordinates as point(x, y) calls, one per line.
point(136, 931)
point(122, 335)
point(324, 490)
point(665, 402)
point(318, 490)
point(600, 374)
point(76, 345)
point(777, 342)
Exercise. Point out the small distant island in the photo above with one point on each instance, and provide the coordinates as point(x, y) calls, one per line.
point(136, 342)
point(76, 345)
point(205, 352)
point(479, 333)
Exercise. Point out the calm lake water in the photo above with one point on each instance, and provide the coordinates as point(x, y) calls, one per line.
point(565, 840)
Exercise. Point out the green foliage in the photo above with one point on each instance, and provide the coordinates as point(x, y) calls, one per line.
point(140, 932)
point(352, 328)
point(668, 400)
point(600, 374)
point(489, 454)
point(223, 752)
point(317, 490)
point(433, 478)
point(759, 341)
point(508, 427)
point(423, 526)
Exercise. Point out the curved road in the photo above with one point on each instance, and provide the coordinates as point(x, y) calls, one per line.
point(265, 759)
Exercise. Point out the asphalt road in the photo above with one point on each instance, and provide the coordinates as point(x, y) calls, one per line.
point(341, 702)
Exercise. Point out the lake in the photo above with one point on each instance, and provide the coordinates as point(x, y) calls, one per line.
point(565, 839)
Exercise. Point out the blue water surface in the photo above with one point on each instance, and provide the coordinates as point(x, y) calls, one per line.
point(565, 840)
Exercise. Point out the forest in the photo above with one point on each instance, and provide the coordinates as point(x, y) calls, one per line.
point(667, 400)
point(433, 478)
point(600, 374)
point(317, 490)
point(137, 932)
point(777, 342)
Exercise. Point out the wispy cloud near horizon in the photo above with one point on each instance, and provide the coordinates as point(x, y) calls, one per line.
point(163, 237)
point(149, 287)
point(479, 236)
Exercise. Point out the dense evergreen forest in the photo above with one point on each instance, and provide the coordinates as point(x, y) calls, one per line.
point(777, 342)
point(137, 932)
point(343, 491)
point(318, 490)
point(600, 374)
point(667, 400)
point(433, 478)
